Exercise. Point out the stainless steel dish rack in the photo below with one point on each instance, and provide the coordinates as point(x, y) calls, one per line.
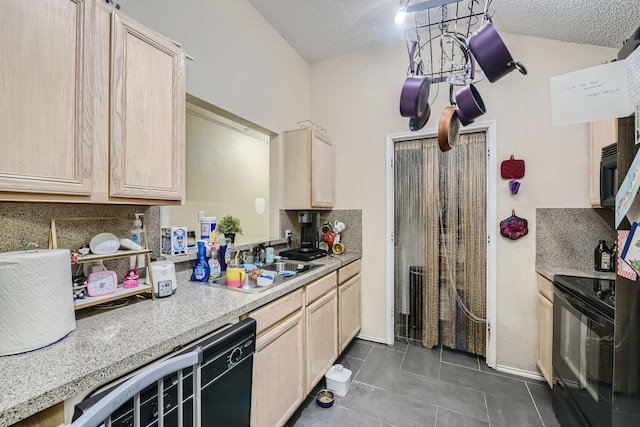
point(429, 22)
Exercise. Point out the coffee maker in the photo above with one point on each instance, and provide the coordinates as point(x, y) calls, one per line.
point(309, 224)
point(309, 241)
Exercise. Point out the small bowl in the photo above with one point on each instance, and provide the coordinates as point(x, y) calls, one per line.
point(104, 244)
point(325, 398)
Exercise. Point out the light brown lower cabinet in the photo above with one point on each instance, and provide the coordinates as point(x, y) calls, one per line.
point(349, 307)
point(278, 374)
point(299, 337)
point(50, 417)
point(545, 329)
point(278, 364)
point(321, 336)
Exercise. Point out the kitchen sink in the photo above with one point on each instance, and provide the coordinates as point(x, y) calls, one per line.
point(293, 268)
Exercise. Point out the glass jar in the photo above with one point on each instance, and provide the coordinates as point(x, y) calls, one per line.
point(191, 239)
point(269, 255)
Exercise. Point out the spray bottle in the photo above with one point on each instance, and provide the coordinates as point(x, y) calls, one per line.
point(201, 270)
point(214, 264)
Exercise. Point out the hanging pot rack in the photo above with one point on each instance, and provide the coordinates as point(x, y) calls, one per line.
point(437, 57)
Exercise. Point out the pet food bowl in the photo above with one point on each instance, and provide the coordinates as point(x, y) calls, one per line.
point(325, 398)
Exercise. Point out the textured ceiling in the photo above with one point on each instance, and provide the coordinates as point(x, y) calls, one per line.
point(323, 29)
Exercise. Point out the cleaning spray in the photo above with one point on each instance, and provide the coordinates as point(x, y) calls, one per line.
point(214, 264)
point(201, 270)
point(137, 233)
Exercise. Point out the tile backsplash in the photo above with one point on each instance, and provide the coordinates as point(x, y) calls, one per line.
point(21, 223)
point(567, 238)
point(351, 237)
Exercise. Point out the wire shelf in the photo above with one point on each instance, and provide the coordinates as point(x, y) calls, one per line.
point(436, 25)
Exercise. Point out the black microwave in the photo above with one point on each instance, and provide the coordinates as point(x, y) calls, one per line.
point(609, 176)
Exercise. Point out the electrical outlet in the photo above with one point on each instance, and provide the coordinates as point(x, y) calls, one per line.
point(289, 235)
point(200, 215)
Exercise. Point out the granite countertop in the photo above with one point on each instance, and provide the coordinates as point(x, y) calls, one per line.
point(549, 272)
point(109, 344)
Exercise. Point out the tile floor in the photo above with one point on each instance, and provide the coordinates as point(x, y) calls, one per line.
point(408, 385)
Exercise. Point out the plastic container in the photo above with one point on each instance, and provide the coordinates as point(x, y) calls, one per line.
point(269, 255)
point(207, 228)
point(338, 380)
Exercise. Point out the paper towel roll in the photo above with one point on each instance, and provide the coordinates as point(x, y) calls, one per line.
point(36, 300)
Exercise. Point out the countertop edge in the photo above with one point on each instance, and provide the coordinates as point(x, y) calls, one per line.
point(75, 378)
point(550, 271)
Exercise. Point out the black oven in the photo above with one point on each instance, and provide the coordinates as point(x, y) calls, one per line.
point(609, 176)
point(583, 311)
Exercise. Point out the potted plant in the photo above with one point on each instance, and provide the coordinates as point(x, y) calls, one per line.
point(229, 226)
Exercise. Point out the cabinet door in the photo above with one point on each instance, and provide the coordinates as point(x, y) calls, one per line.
point(147, 150)
point(322, 179)
point(278, 373)
point(42, 112)
point(321, 337)
point(349, 312)
point(308, 170)
point(545, 338)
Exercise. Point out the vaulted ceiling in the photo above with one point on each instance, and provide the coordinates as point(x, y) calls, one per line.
point(323, 29)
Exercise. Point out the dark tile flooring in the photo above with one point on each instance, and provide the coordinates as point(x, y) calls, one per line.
point(408, 385)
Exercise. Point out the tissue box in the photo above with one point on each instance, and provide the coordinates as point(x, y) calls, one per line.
point(174, 240)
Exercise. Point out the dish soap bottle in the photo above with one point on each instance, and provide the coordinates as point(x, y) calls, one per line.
point(214, 264)
point(137, 233)
point(201, 270)
point(602, 257)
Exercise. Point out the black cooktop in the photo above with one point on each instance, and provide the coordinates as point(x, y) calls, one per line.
point(303, 254)
point(599, 292)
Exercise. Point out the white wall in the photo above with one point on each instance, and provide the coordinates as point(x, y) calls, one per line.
point(242, 65)
point(355, 97)
point(226, 172)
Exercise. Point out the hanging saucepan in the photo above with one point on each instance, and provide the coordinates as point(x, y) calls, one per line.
point(414, 97)
point(449, 125)
point(469, 102)
point(492, 54)
point(417, 123)
point(470, 105)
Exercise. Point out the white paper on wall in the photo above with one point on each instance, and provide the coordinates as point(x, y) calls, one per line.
point(596, 93)
point(633, 76)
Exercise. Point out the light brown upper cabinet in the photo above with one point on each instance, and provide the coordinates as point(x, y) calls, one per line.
point(94, 106)
point(147, 146)
point(308, 170)
point(45, 148)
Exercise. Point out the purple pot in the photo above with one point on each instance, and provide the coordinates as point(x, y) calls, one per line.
point(417, 123)
point(491, 53)
point(414, 97)
point(470, 105)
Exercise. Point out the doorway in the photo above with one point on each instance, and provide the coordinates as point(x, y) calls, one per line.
point(434, 266)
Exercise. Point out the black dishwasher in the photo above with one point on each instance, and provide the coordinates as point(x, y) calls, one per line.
point(225, 373)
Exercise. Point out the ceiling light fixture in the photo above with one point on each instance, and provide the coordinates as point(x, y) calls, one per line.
point(401, 14)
